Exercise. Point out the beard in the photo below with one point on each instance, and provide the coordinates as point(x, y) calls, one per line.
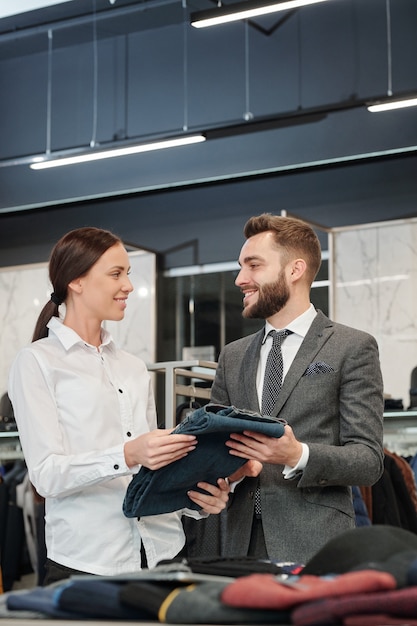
point(272, 297)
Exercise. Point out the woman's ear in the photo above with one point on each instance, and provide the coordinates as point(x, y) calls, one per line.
point(76, 285)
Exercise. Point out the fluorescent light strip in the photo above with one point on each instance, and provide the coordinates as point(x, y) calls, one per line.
point(116, 152)
point(390, 105)
point(225, 17)
point(24, 6)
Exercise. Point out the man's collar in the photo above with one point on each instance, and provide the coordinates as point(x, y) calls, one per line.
point(299, 326)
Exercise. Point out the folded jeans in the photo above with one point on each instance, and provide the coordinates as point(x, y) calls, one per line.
point(152, 492)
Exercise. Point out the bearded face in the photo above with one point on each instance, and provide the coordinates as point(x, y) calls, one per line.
point(272, 297)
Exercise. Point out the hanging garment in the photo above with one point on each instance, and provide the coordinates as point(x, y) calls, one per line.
point(392, 502)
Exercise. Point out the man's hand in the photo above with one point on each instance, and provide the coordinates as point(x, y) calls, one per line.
point(285, 450)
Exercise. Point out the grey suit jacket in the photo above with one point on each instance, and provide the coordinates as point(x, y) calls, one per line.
point(332, 396)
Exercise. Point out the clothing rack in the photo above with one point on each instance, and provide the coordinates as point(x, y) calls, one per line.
point(400, 432)
point(192, 371)
point(10, 448)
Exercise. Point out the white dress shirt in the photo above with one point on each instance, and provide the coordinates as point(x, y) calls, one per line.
point(75, 406)
point(289, 348)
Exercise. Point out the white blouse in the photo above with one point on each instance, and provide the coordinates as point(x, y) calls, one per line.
point(75, 406)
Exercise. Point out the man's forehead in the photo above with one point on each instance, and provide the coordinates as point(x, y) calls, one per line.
point(259, 245)
point(249, 258)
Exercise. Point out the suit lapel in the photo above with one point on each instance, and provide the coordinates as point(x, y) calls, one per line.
point(320, 331)
point(250, 366)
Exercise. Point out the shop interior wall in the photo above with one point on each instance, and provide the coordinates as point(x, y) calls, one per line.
point(307, 147)
point(374, 289)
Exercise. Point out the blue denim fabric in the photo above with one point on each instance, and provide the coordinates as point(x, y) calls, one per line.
point(100, 599)
point(39, 600)
point(165, 490)
point(81, 599)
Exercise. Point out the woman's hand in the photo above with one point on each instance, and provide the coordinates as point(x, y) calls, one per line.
point(214, 503)
point(158, 448)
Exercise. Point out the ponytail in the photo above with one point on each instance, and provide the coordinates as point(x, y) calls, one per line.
point(49, 310)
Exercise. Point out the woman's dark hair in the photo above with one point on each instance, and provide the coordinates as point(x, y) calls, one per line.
point(71, 257)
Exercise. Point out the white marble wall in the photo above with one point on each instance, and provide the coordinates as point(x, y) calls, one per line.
point(375, 289)
point(137, 332)
point(24, 291)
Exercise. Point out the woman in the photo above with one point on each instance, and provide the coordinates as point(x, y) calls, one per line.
point(86, 418)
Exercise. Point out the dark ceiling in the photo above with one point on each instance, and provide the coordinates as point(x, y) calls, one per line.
point(280, 99)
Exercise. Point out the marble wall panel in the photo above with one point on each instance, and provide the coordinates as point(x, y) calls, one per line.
point(375, 289)
point(24, 291)
point(137, 332)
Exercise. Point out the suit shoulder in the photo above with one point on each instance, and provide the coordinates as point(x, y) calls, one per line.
point(241, 344)
point(341, 331)
point(350, 331)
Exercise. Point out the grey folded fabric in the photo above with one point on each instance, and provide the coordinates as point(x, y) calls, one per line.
point(153, 492)
point(201, 604)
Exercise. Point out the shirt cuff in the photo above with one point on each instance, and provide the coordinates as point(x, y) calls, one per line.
point(293, 472)
point(234, 484)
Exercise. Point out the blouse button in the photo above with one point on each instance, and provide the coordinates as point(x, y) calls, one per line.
point(116, 467)
point(129, 434)
point(120, 390)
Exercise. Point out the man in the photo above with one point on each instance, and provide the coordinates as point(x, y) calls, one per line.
point(331, 399)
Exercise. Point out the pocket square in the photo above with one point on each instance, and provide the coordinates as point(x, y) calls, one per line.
point(320, 367)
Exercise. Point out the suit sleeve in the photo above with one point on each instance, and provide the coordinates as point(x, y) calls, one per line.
point(359, 457)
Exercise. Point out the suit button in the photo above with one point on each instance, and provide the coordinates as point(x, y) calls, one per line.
point(323, 482)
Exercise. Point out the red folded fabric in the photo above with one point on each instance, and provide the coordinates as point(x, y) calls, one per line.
point(399, 603)
point(377, 620)
point(267, 592)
